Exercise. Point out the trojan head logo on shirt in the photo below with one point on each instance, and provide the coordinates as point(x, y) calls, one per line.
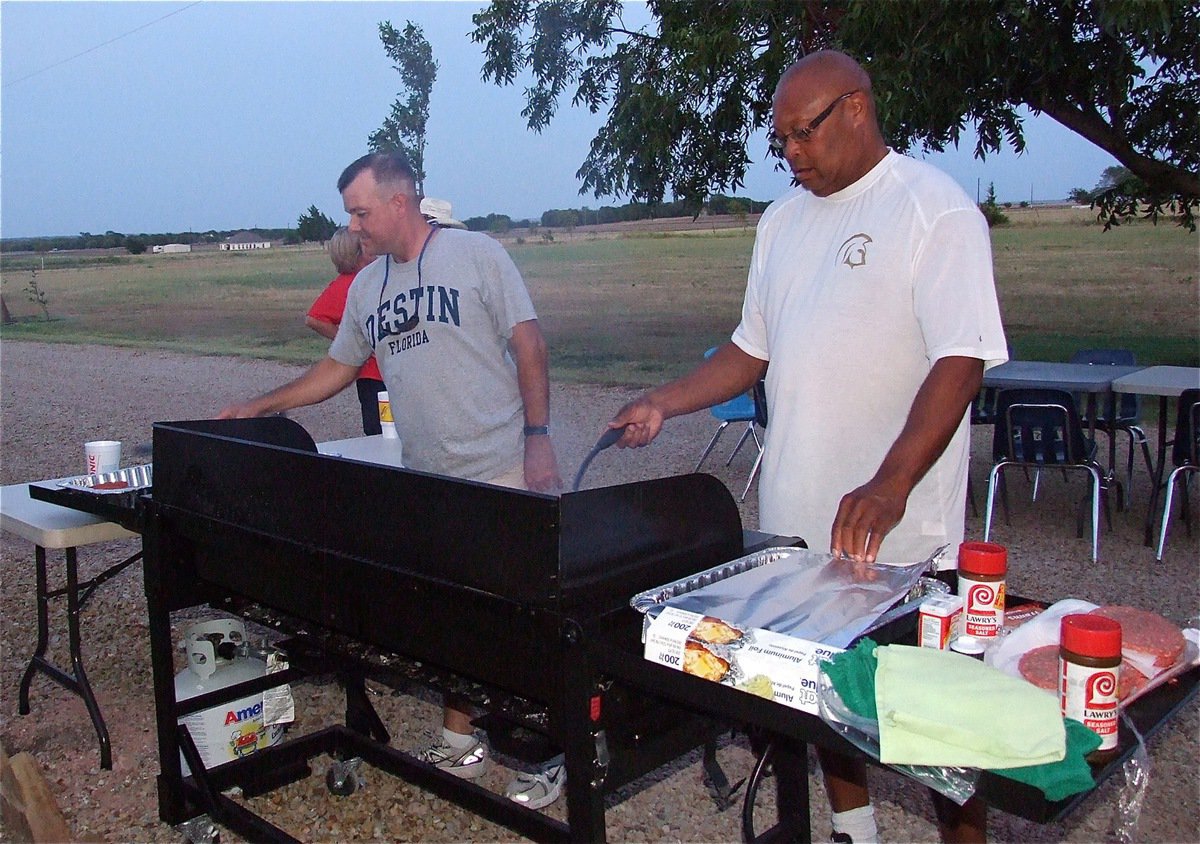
point(853, 251)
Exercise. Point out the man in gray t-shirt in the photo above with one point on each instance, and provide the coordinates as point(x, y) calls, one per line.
point(440, 327)
point(450, 322)
point(447, 316)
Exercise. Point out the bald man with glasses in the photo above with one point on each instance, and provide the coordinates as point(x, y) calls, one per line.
point(871, 297)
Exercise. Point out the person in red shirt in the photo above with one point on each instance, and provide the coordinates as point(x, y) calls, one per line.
point(348, 256)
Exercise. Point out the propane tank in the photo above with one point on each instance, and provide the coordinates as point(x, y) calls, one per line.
point(216, 657)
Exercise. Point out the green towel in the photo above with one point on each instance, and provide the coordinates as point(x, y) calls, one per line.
point(1070, 776)
point(852, 673)
point(942, 708)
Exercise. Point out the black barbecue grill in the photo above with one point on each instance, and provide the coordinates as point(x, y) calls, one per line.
point(247, 516)
point(352, 561)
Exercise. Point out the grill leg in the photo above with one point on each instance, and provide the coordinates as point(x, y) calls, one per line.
point(791, 775)
point(585, 746)
point(360, 713)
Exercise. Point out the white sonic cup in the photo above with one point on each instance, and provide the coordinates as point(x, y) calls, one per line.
point(386, 422)
point(102, 456)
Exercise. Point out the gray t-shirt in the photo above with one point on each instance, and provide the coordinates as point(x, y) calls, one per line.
point(439, 327)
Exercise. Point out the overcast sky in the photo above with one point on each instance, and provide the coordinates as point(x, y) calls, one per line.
point(181, 116)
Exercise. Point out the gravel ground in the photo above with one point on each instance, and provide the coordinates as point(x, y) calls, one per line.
point(56, 397)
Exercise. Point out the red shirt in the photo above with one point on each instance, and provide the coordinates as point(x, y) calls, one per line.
point(329, 307)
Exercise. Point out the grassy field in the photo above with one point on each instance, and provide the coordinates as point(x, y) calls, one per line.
point(631, 309)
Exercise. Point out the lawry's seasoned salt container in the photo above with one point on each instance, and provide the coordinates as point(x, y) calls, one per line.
point(939, 620)
point(982, 568)
point(1089, 660)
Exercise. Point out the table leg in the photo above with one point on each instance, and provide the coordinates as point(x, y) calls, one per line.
point(1156, 481)
point(1110, 470)
point(1124, 491)
point(43, 630)
point(84, 689)
point(76, 681)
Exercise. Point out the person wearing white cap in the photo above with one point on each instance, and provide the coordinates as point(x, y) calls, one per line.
point(440, 212)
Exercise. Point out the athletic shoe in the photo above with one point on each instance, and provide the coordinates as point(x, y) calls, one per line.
point(540, 788)
point(469, 763)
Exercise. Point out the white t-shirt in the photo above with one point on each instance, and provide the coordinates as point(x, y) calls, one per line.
point(852, 298)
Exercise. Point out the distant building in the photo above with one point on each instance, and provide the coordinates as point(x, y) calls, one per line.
point(245, 240)
point(172, 247)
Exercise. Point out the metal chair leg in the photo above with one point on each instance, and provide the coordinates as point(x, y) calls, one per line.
point(746, 434)
point(1185, 509)
point(1003, 484)
point(1104, 494)
point(1096, 492)
point(753, 473)
point(994, 477)
point(1166, 517)
point(711, 444)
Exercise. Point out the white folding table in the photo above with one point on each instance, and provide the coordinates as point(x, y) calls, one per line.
point(62, 528)
point(375, 448)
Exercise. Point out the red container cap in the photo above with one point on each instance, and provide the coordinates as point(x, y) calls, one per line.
point(1090, 635)
point(982, 557)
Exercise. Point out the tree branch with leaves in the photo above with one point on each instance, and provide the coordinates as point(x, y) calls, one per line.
point(403, 130)
point(684, 94)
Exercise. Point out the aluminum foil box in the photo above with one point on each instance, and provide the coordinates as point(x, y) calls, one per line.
point(772, 665)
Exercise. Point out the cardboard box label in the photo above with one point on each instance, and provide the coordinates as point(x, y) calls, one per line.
point(771, 665)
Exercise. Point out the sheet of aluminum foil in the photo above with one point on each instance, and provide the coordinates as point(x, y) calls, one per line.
point(129, 479)
point(793, 591)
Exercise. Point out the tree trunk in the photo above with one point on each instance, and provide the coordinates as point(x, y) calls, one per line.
point(1160, 176)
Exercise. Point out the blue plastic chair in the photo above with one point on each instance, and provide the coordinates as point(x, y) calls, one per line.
point(737, 409)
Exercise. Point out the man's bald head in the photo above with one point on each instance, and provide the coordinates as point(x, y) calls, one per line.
point(824, 74)
point(824, 123)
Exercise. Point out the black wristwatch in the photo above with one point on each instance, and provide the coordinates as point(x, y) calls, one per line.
point(537, 430)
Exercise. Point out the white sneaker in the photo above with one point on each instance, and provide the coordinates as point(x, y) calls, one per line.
point(540, 788)
point(469, 763)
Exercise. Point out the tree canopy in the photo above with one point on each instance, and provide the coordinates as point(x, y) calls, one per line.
point(403, 129)
point(684, 95)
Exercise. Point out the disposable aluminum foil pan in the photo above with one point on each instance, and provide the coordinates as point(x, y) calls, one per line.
point(796, 592)
point(643, 601)
point(130, 479)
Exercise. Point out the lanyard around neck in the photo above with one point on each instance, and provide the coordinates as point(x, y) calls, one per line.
point(410, 323)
